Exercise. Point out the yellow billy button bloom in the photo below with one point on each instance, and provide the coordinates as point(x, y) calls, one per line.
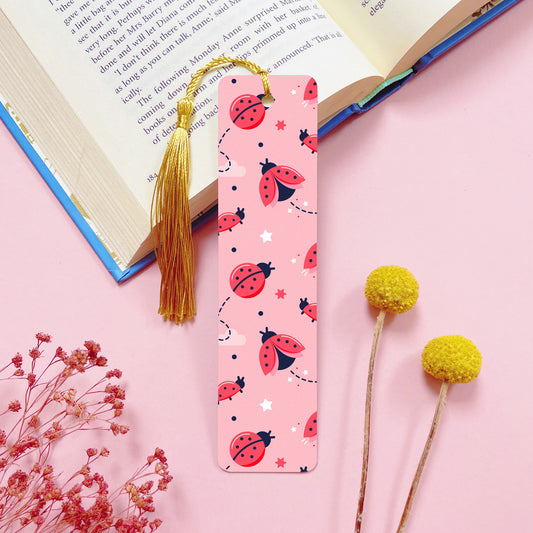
point(451, 359)
point(391, 289)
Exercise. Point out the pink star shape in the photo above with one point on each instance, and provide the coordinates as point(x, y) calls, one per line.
point(280, 124)
point(281, 462)
point(280, 293)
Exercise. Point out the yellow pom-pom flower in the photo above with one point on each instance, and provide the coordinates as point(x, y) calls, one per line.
point(392, 288)
point(452, 358)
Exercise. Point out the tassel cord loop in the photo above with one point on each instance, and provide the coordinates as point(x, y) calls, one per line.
point(218, 62)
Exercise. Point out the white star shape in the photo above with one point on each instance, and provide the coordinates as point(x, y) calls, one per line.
point(293, 260)
point(293, 429)
point(266, 405)
point(266, 236)
point(293, 91)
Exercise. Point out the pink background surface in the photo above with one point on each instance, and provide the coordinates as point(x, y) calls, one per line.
point(438, 179)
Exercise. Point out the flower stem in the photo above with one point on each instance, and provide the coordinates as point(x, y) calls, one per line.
point(422, 462)
point(364, 472)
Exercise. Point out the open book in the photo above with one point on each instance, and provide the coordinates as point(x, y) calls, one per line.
point(93, 84)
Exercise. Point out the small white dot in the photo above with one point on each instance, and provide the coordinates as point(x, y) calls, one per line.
point(306, 372)
point(293, 260)
point(306, 204)
point(290, 379)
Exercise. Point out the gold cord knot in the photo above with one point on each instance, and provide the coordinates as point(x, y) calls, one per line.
point(184, 109)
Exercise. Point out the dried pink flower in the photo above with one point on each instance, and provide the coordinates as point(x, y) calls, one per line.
point(115, 373)
point(14, 406)
point(91, 452)
point(35, 353)
point(43, 337)
point(41, 499)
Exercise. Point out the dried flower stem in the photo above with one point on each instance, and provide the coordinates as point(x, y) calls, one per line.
point(422, 462)
point(364, 471)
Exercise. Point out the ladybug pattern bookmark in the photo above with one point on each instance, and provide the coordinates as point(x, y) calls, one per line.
point(267, 317)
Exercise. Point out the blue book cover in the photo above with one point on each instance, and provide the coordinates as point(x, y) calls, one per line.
point(389, 86)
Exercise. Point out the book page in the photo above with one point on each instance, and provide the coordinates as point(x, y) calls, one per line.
point(123, 64)
point(387, 30)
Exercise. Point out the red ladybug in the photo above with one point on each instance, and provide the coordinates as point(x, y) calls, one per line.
point(226, 221)
point(248, 448)
point(273, 353)
point(227, 389)
point(247, 111)
point(247, 279)
point(308, 309)
point(278, 182)
point(310, 430)
point(310, 93)
point(311, 141)
point(310, 260)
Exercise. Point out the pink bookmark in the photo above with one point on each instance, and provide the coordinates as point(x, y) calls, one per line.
point(267, 190)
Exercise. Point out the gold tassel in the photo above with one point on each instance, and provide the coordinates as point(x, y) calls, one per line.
point(171, 223)
point(170, 216)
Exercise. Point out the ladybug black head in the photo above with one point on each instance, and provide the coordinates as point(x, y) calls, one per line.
point(266, 269)
point(240, 382)
point(303, 303)
point(265, 437)
point(266, 166)
point(303, 134)
point(240, 213)
point(267, 335)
